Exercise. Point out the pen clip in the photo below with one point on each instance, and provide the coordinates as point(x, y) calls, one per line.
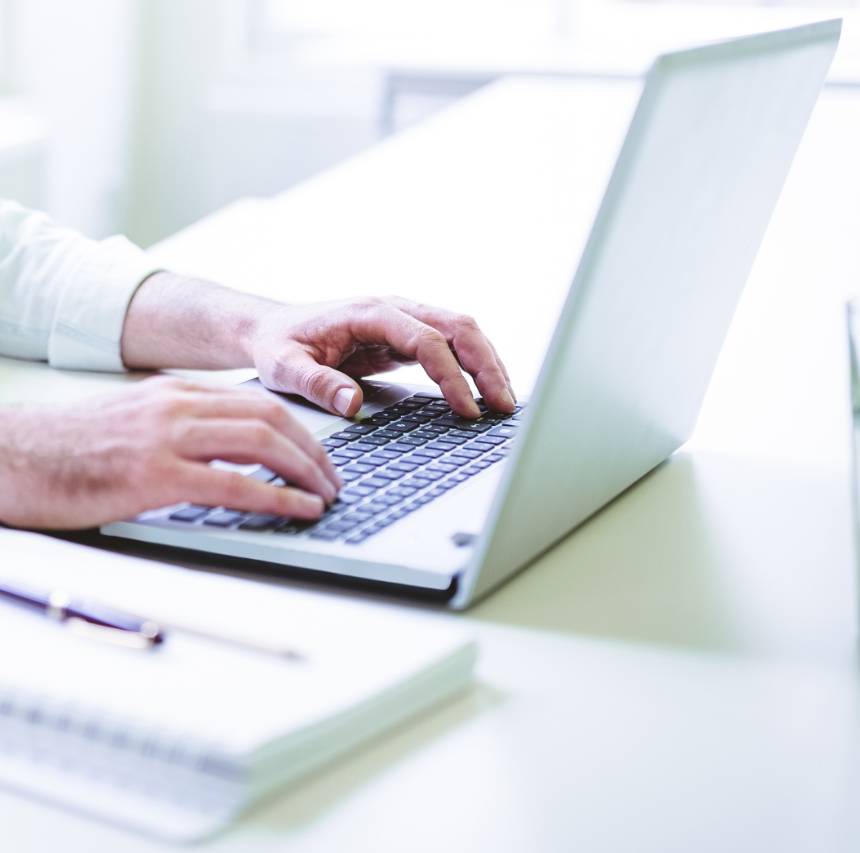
point(143, 639)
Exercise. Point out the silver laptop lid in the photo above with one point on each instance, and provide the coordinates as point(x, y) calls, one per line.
point(684, 212)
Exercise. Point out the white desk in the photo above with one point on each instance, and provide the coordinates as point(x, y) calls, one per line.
point(680, 673)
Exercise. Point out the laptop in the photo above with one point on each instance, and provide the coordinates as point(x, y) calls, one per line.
point(449, 508)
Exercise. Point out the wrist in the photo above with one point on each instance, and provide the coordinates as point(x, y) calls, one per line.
point(176, 321)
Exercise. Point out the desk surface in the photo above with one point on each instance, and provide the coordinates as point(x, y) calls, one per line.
point(680, 673)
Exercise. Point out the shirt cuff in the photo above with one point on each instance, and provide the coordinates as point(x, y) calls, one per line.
point(88, 324)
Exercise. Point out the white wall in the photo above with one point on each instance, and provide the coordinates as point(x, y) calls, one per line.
point(72, 61)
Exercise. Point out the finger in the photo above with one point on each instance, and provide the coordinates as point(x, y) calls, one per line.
point(257, 405)
point(504, 370)
point(247, 441)
point(208, 486)
point(322, 385)
point(473, 349)
point(421, 342)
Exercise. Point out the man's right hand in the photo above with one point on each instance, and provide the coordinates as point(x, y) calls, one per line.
point(148, 445)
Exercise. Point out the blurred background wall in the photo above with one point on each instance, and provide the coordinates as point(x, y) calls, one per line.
point(141, 116)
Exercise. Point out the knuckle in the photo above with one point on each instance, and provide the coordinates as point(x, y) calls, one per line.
point(429, 336)
point(261, 434)
point(467, 323)
point(168, 405)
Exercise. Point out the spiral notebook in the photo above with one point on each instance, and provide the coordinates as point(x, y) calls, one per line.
point(178, 741)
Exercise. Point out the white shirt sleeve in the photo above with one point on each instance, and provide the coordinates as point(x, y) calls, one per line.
point(63, 298)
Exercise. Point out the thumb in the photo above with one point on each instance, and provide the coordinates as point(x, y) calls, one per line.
point(325, 386)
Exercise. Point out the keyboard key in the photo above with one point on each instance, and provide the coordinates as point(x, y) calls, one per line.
point(450, 439)
point(390, 434)
point(437, 469)
point(373, 460)
point(427, 452)
point(453, 460)
point(400, 447)
point(341, 525)
point(430, 435)
point(480, 446)
point(374, 440)
point(325, 535)
point(492, 439)
point(356, 539)
point(190, 513)
point(348, 452)
point(224, 518)
point(414, 441)
point(401, 491)
point(383, 455)
point(358, 468)
point(390, 474)
point(358, 516)
point(334, 442)
point(464, 453)
point(418, 483)
point(263, 474)
point(495, 457)
point(360, 429)
point(475, 426)
point(349, 476)
point(360, 489)
point(402, 426)
point(405, 467)
point(374, 482)
point(261, 522)
point(507, 431)
point(430, 474)
point(362, 446)
point(343, 436)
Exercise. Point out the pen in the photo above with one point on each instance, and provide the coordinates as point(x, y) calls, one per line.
point(88, 618)
point(122, 628)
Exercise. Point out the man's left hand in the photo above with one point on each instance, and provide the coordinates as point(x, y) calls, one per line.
point(319, 351)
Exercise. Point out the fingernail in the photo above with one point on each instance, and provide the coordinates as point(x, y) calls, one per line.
point(508, 399)
point(343, 400)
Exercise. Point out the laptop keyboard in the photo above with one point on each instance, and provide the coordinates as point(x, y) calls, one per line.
point(391, 464)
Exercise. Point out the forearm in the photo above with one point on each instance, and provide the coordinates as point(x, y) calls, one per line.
point(174, 321)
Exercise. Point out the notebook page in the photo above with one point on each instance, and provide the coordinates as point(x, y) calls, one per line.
point(224, 700)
